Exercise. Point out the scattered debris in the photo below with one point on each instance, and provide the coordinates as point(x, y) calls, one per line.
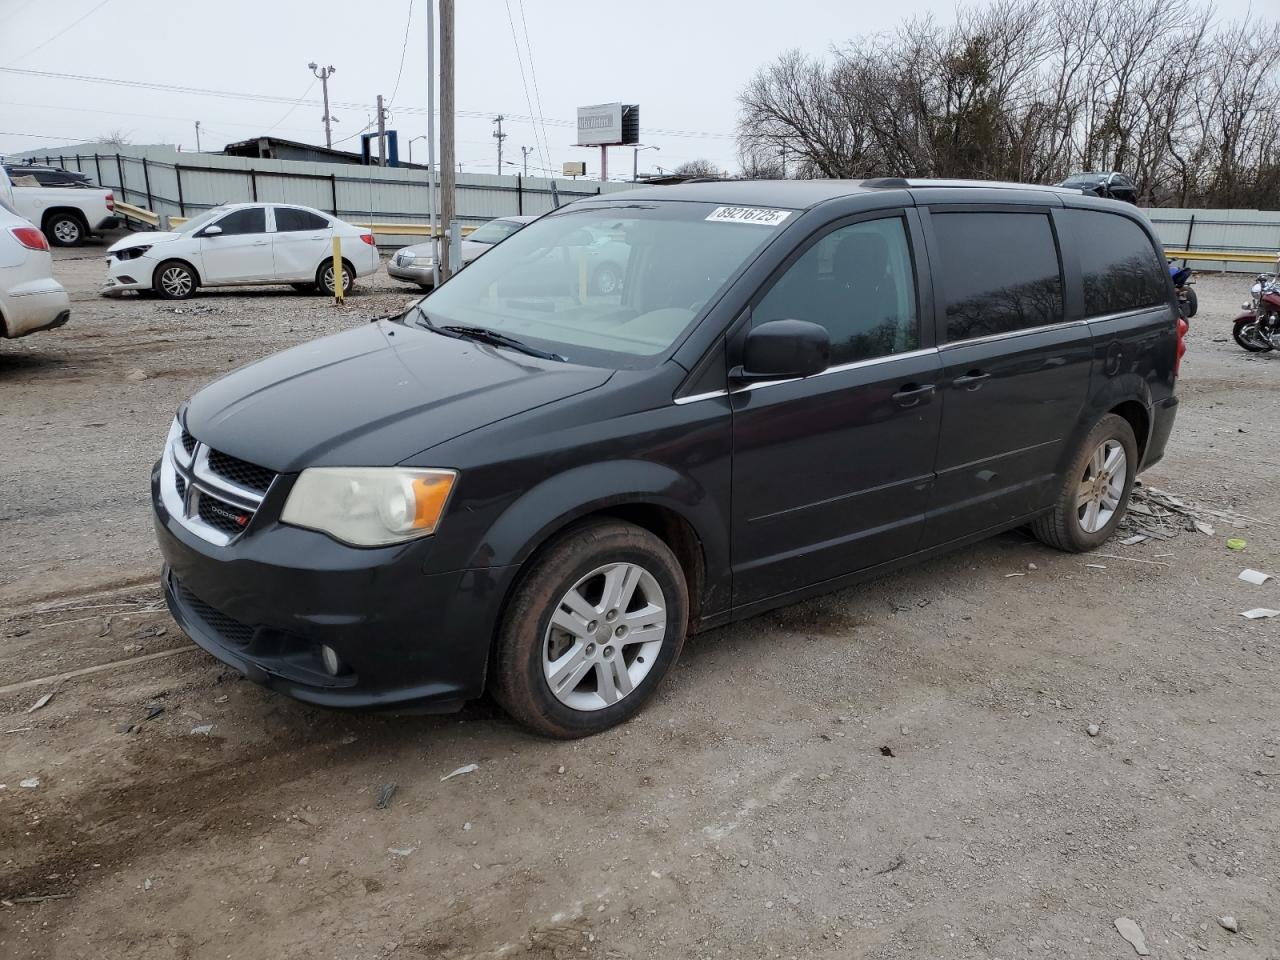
point(147, 884)
point(1256, 577)
point(154, 710)
point(1008, 575)
point(469, 768)
point(886, 752)
point(1133, 934)
point(125, 727)
point(30, 783)
point(400, 851)
point(136, 375)
point(41, 898)
point(1260, 613)
point(1093, 730)
point(49, 696)
point(1135, 539)
point(1237, 543)
point(222, 699)
point(1229, 923)
point(385, 794)
point(1205, 528)
point(1096, 566)
point(897, 863)
point(466, 827)
point(1113, 556)
point(202, 730)
point(560, 769)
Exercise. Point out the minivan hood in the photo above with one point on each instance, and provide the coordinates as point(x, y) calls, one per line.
point(373, 396)
point(146, 239)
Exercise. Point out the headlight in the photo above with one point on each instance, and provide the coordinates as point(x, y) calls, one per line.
point(369, 506)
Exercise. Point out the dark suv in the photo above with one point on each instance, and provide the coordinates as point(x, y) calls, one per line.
point(49, 176)
point(1114, 186)
point(541, 492)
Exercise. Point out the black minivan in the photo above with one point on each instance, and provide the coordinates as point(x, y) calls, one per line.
point(528, 486)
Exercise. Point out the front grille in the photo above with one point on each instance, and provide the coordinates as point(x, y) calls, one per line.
point(211, 493)
point(222, 516)
point(227, 628)
point(240, 471)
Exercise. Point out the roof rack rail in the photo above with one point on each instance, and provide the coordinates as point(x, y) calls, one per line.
point(886, 182)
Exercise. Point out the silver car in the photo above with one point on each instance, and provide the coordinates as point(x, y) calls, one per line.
point(414, 264)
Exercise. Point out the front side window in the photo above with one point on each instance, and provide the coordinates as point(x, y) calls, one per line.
point(244, 220)
point(1118, 264)
point(998, 272)
point(291, 219)
point(858, 282)
point(553, 285)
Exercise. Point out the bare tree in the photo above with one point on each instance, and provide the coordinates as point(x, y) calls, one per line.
point(115, 138)
point(1032, 90)
point(697, 168)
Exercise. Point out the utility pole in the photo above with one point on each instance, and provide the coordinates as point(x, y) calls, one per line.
point(448, 179)
point(499, 136)
point(197, 136)
point(323, 75)
point(382, 134)
point(432, 182)
point(525, 151)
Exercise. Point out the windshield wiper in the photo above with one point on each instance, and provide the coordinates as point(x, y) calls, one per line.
point(485, 335)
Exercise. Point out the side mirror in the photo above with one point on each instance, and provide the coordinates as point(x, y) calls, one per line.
point(211, 231)
point(782, 349)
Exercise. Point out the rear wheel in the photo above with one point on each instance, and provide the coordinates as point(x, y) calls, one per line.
point(1246, 335)
point(1193, 302)
point(591, 630)
point(174, 280)
point(65, 230)
point(324, 277)
point(1095, 489)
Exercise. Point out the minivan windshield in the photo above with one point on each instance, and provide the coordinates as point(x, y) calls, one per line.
point(494, 230)
point(608, 284)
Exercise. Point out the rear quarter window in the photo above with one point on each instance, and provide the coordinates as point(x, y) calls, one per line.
point(1119, 267)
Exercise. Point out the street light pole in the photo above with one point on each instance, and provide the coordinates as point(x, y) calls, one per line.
point(323, 74)
point(432, 183)
point(197, 136)
point(525, 151)
point(635, 161)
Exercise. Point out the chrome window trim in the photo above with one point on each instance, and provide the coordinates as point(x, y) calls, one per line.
point(1012, 334)
point(1125, 314)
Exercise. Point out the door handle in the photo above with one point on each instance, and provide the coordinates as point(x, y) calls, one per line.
point(971, 380)
point(911, 394)
point(260, 243)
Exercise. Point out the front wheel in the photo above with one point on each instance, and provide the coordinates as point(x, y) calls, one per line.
point(174, 280)
point(1245, 330)
point(1193, 302)
point(65, 230)
point(591, 630)
point(324, 277)
point(1095, 489)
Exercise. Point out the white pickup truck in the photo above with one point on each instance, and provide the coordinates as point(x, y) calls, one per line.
point(66, 215)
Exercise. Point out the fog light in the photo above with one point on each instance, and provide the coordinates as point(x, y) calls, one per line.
point(332, 665)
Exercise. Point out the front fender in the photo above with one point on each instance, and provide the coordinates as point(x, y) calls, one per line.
point(558, 501)
point(1244, 317)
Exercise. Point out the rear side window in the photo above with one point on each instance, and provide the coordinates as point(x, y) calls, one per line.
point(289, 219)
point(244, 220)
point(998, 272)
point(858, 282)
point(1118, 264)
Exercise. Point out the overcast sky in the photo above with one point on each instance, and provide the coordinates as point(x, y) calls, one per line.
point(683, 61)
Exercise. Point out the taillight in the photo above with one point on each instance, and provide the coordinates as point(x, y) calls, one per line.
point(367, 238)
point(30, 237)
point(111, 202)
point(1182, 345)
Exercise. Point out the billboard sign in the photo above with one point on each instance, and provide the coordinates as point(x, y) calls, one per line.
point(608, 125)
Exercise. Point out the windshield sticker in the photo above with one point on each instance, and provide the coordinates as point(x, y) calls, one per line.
point(760, 215)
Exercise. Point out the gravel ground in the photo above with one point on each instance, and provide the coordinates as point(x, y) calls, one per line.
point(897, 770)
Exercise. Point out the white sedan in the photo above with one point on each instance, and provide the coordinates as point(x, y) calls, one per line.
point(241, 244)
point(30, 299)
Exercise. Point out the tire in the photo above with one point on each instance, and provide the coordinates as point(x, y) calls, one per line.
point(587, 563)
point(1068, 526)
point(175, 280)
point(324, 277)
point(606, 280)
point(1253, 343)
point(65, 230)
point(304, 287)
point(1193, 302)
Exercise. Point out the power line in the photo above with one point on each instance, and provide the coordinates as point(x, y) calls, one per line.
point(297, 103)
point(537, 94)
point(65, 29)
point(523, 82)
point(404, 48)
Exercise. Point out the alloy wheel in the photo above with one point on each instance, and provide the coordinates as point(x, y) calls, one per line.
point(604, 636)
point(176, 282)
point(66, 232)
point(1102, 486)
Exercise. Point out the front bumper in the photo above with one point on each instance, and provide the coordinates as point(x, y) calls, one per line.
point(133, 274)
point(412, 273)
point(267, 602)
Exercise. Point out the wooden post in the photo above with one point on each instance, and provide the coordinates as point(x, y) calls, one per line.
point(337, 269)
point(448, 174)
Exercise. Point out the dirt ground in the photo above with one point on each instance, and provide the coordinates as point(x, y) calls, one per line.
point(898, 770)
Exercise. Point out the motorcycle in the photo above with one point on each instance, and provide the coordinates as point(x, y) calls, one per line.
point(1258, 330)
point(1188, 303)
